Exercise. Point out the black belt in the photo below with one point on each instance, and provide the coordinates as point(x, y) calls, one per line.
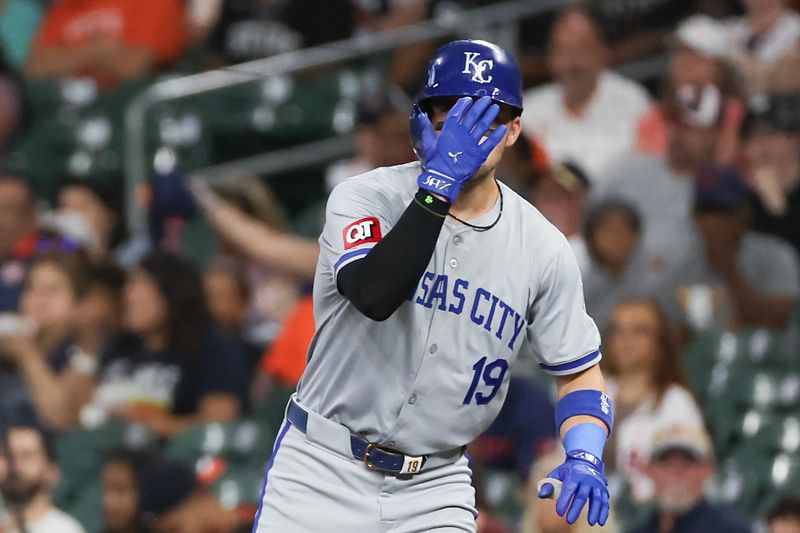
point(373, 456)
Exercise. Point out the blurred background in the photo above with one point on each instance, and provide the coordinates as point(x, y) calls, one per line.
point(164, 166)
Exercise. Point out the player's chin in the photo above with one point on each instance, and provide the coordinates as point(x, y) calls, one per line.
point(480, 176)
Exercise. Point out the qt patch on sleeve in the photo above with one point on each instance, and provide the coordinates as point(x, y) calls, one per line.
point(361, 231)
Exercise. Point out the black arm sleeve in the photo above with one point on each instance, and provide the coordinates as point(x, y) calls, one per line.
point(378, 284)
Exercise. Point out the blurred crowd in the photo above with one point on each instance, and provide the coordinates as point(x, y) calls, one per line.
point(141, 388)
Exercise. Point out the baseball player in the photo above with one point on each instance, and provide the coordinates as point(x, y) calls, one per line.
point(429, 274)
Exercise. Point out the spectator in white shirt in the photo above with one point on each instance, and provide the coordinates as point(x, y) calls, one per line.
point(28, 474)
point(589, 115)
point(648, 386)
point(759, 40)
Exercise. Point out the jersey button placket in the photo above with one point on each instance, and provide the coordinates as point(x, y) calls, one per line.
point(453, 262)
point(433, 349)
point(413, 399)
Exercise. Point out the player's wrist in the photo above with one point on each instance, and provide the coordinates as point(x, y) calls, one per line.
point(432, 202)
point(588, 438)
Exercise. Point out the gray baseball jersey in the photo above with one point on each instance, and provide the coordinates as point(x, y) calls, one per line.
point(434, 375)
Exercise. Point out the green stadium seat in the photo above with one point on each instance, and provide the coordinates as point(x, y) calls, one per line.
point(236, 442)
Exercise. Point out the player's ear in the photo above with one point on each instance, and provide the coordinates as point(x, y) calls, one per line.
point(514, 130)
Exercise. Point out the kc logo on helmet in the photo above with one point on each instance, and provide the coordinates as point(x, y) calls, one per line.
point(361, 231)
point(477, 68)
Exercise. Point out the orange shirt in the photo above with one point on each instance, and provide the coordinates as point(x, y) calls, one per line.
point(286, 357)
point(158, 25)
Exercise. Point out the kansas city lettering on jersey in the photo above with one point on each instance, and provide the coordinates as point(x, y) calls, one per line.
point(485, 309)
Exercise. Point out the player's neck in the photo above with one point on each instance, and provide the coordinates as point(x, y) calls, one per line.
point(477, 200)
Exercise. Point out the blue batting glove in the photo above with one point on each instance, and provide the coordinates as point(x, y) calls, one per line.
point(581, 479)
point(423, 136)
point(459, 152)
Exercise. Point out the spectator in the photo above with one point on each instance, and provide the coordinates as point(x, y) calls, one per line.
point(661, 189)
point(772, 151)
point(228, 295)
point(100, 208)
point(560, 195)
point(648, 386)
point(540, 515)
point(121, 478)
point(381, 135)
point(111, 41)
point(254, 237)
point(784, 517)
point(680, 464)
point(18, 234)
point(19, 20)
point(172, 368)
point(572, 116)
point(28, 475)
point(640, 30)
point(253, 29)
point(145, 493)
point(698, 57)
point(737, 278)
point(50, 367)
point(768, 31)
point(615, 268)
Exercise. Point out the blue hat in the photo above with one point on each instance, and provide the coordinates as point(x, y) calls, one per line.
point(474, 68)
point(719, 188)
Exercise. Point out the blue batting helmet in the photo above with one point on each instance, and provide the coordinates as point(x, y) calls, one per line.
point(474, 68)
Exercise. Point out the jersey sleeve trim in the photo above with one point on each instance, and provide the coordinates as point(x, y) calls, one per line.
point(575, 366)
point(349, 257)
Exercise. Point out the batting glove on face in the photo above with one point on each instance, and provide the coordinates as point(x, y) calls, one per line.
point(581, 479)
point(458, 152)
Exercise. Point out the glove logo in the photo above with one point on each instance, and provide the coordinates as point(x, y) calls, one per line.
point(477, 68)
point(361, 232)
point(436, 183)
point(454, 156)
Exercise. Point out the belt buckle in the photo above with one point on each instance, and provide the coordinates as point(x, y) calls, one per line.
point(371, 466)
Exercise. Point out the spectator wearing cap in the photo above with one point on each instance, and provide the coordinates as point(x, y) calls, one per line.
point(560, 195)
point(772, 152)
point(736, 277)
point(767, 32)
point(28, 475)
point(661, 188)
point(589, 114)
point(680, 464)
point(698, 56)
point(784, 516)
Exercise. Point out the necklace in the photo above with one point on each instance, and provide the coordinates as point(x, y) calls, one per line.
point(493, 224)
